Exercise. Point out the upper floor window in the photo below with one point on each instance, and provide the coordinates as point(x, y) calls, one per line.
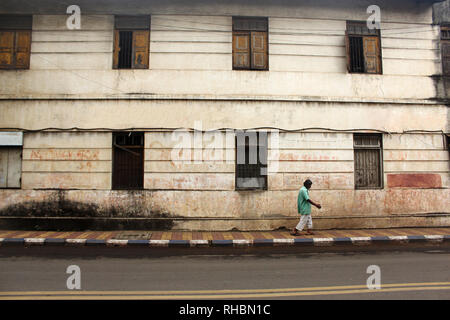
point(250, 44)
point(445, 48)
point(363, 48)
point(131, 42)
point(15, 41)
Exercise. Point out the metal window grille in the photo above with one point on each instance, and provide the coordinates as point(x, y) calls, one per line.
point(356, 54)
point(126, 49)
point(368, 161)
point(445, 33)
point(128, 160)
point(360, 28)
point(363, 58)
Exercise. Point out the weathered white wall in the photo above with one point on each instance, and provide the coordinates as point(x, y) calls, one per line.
point(67, 161)
point(191, 54)
point(121, 114)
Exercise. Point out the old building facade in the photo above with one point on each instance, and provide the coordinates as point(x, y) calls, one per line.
point(90, 117)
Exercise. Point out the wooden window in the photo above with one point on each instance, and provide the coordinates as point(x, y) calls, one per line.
point(250, 44)
point(10, 167)
point(445, 48)
point(251, 160)
point(128, 160)
point(131, 42)
point(363, 46)
point(15, 41)
point(368, 161)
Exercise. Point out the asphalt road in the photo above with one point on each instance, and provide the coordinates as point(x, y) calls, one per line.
point(422, 273)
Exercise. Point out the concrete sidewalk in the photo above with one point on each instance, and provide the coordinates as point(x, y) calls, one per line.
point(231, 238)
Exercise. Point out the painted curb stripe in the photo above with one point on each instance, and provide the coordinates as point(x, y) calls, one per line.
point(140, 242)
point(283, 241)
point(54, 241)
point(242, 242)
point(236, 243)
point(361, 239)
point(197, 243)
point(159, 243)
point(116, 242)
point(76, 241)
point(398, 238)
point(323, 241)
point(263, 242)
point(13, 241)
point(304, 241)
point(416, 238)
point(222, 242)
point(343, 240)
point(95, 242)
point(380, 239)
point(37, 241)
point(179, 243)
point(434, 237)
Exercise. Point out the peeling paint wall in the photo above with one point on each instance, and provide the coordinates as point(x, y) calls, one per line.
point(187, 191)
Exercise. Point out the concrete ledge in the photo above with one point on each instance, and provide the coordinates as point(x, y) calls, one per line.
point(229, 243)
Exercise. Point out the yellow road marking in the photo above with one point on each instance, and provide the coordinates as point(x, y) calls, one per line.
point(229, 291)
point(232, 296)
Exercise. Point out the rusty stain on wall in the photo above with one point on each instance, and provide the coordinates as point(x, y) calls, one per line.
point(414, 180)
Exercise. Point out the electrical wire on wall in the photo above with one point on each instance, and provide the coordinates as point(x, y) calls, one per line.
point(168, 129)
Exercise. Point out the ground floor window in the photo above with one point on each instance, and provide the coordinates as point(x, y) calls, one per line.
point(10, 167)
point(368, 161)
point(128, 160)
point(251, 160)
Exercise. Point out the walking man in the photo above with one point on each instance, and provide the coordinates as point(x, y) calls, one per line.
point(304, 209)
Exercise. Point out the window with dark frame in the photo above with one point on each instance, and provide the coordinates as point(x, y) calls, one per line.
point(368, 157)
point(445, 50)
point(251, 160)
point(250, 43)
point(363, 46)
point(131, 42)
point(15, 41)
point(128, 160)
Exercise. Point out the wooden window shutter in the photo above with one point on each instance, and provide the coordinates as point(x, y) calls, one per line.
point(141, 48)
point(241, 50)
point(23, 47)
point(347, 49)
point(116, 49)
point(372, 54)
point(259, 50)
point(6, 49)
